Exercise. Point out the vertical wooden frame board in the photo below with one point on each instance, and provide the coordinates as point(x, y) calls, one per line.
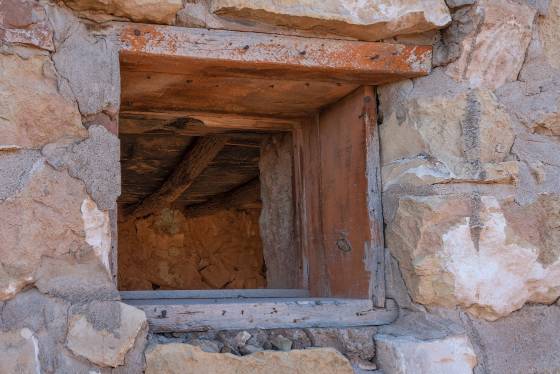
point(350, 199)
point(307, 193)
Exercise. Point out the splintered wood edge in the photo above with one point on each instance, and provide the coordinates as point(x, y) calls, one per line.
point(184, 315)
point(289, 57)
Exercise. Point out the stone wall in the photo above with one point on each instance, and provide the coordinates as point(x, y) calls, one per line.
point(169, 251)
point(470, 158)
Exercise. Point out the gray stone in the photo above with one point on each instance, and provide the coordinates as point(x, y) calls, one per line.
point(524, 342)
point(95, 161)
point(248, 349)
point(78, 281)
point(207, 345)
point(281, 343)
point(15, 171)
point(459, 3)
point(88, 64)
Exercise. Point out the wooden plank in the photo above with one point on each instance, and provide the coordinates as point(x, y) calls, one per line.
point(344, 190)
point(375, 264)
point(166, 48)
point(262, 96)
point(244, 194)
point(307, 195)
point(214, 294)
point(198, 122)
point(194, 163)
point(233, 314)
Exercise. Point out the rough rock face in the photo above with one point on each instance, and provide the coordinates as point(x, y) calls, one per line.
point(148, 11)
point(95, 161)
point(25, 22)
point(19, 352)
point(531, 333)
point(32, 232)
point(445, 138)
point(31, 83)
point(405, 354)
point(424, 343)
point(366, 20)
point(222, 250)
point(486, 255)
point(185, 358)
point(105, 332)
point(550, 34)
point(493, 53)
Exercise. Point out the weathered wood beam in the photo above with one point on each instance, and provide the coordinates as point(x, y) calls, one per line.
point(232, 314)
point(193, 164)
point(212, 294)
point(178, 49)
point(199, 123)
point(245, 194)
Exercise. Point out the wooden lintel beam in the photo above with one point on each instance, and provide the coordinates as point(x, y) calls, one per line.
point(176, 49)
point(222, 314)
point(193, 164)
point(238, 197)
point(199, 123)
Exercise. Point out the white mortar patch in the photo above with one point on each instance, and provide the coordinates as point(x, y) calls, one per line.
point(98, 231)
point(28, 335)
point(502, 275)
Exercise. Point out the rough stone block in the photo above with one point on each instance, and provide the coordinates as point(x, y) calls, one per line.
point(446, 136)
point(406, 354)
point(185, 358)
point(25, 22)
point(19, 352)
point(32, 111)
point(366, 20)
point(95, 161)
point(43, 219)
point(493, 53)
point(487, 255)
point(148, 11)
point(105, 332)
point(524, 342)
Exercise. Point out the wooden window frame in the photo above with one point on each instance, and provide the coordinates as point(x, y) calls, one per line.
point(329, 297)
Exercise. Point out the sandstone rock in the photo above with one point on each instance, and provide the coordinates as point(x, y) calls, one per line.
point(76, 280)
point(25, 22)
point(186, 359)
point(32, 111)
point(494, 52)
point(95, 161)
point(213, 251)
point(487, 255)
point(465, 137)
point(44, 219)
point(550, 33)
point(531, 333)
point(406, 354)
point(148, 11)
point(87, 63)
point(19, 351)
point(106, 338)
point(369, 20)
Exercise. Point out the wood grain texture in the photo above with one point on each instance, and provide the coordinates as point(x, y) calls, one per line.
point(246, 194)
point(376, 247)
point(152, 296)
point(232, 314)
point(193, 164)
point(344, 189)
point(166, 48)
